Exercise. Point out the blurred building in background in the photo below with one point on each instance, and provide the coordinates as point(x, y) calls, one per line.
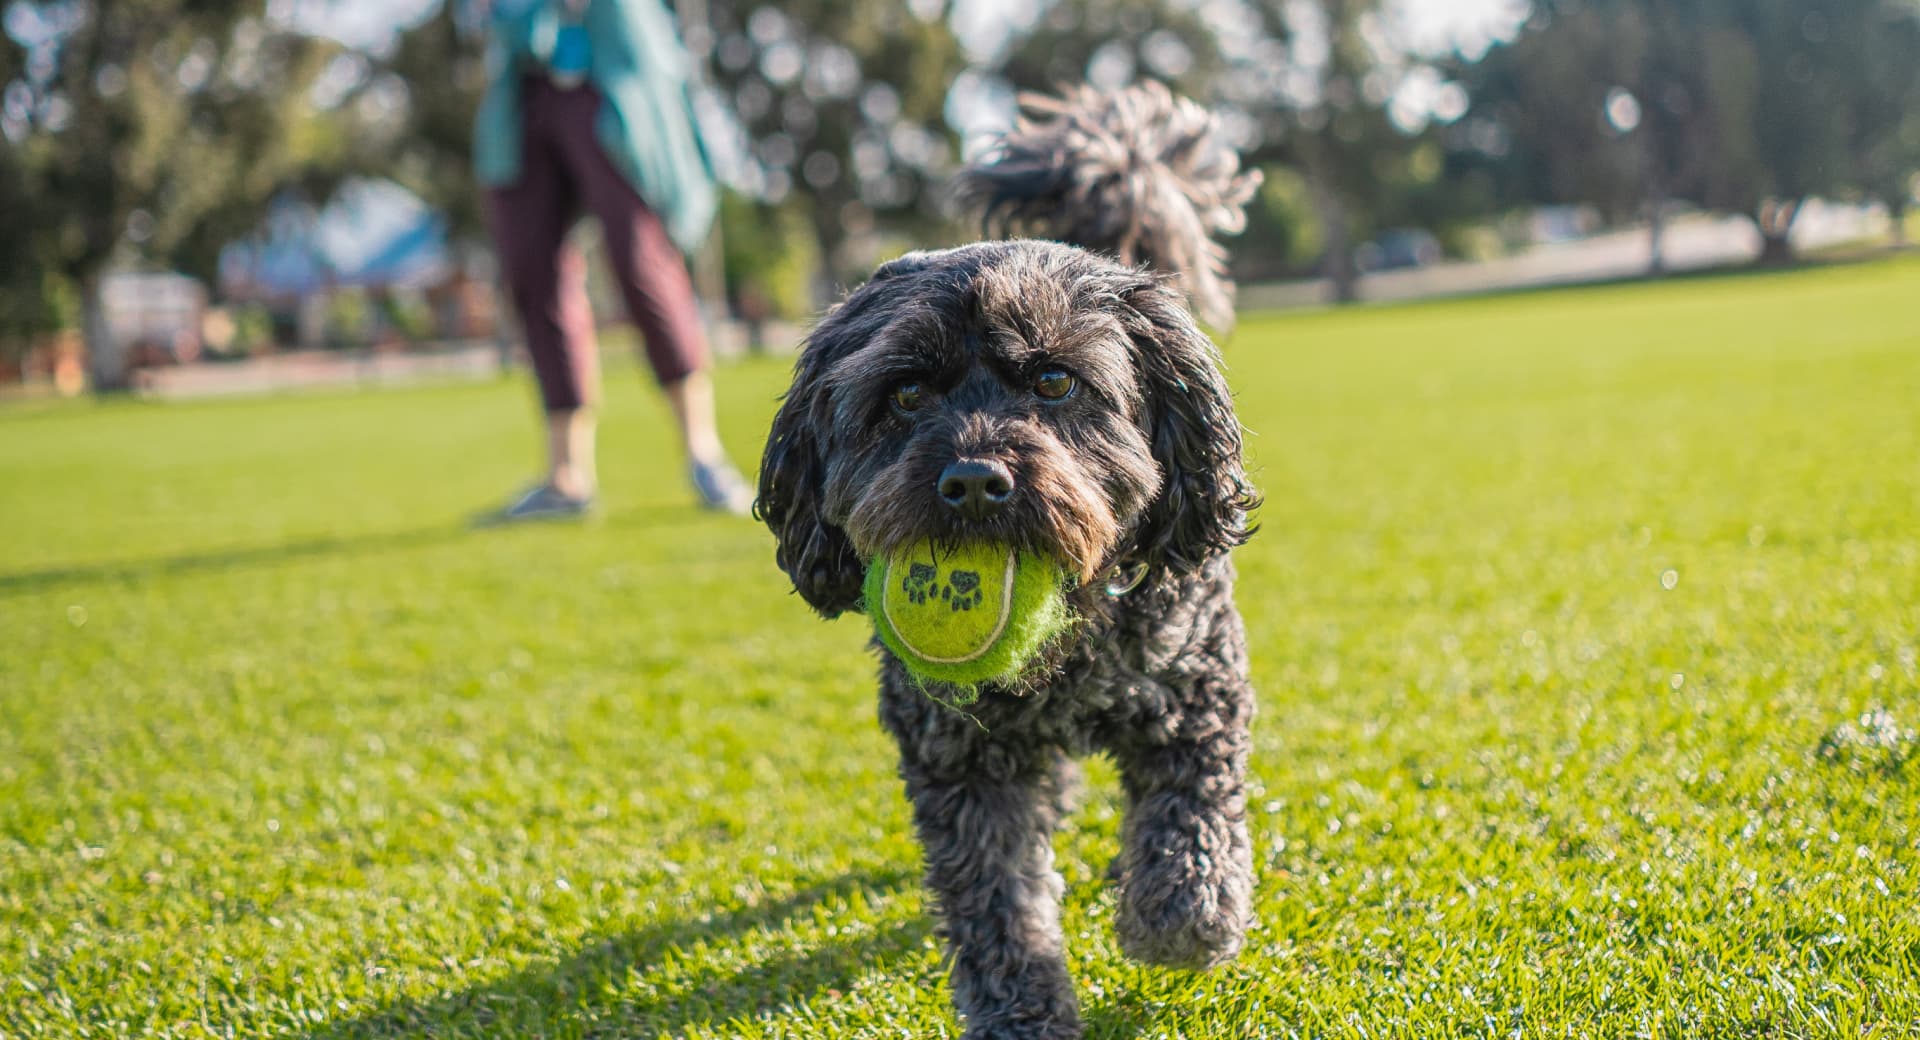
point(373, 266)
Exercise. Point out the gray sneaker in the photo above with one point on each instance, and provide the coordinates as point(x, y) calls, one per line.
point(544, 502)
point(721, 488)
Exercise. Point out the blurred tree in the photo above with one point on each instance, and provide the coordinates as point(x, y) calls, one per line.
point(1340, 139)
point(1109, 44)
point(1772, 86)
point(842, 100)
point(144, 129)
point(1112, 44)
point(1883, 121)
point(1803, 98)
point(1305, 85)
point(29, 311)
point(1285, 226)
point(1751, 106)
point(1316, 85)
point(1590, 104)
point(29, 295)
point(771, 257)
point(440, 63)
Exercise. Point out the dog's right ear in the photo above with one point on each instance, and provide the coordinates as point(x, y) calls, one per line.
point(815, 553)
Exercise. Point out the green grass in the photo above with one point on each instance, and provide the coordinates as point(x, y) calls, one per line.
point(1560, 612)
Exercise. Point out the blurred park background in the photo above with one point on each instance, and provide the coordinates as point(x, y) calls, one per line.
point(1583, 620)
point(224, 196)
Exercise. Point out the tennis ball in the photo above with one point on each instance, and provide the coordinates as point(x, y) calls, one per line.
point(966, 615)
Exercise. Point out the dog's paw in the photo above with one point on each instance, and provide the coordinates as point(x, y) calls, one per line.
point(1183, 914)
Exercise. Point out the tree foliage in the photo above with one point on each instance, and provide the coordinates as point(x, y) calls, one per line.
point(154, 130)
point(1749, 106)
point(842, 102)
point(1306, 88)
point(441, 64)
point(1318, 78)
point(1109, 43)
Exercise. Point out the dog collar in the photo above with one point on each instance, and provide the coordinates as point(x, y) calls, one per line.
point(1125, 577)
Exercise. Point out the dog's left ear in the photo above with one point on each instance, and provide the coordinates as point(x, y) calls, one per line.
point(1204, 498)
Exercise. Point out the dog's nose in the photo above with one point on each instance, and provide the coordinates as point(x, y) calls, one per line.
point(976, 488)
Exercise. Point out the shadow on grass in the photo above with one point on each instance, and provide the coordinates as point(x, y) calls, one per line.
point(242, 556)
point(601, 990)
point(222, 559)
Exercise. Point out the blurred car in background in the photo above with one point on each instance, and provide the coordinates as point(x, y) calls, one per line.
point(1399, 248)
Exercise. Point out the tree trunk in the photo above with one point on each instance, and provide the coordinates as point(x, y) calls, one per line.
point(1657, 238)
point(106, 355)
point(1897, 212)
point(1776, 232)
point(1656, 212)
point(1342, 272)
point(835, 242)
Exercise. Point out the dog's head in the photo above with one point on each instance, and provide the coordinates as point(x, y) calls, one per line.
point(1024, 393)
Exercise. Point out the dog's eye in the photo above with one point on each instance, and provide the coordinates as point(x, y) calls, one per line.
point(1054, 384)
point(907, 396)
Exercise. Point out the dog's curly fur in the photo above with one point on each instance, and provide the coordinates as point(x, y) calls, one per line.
point(1138, 174)
point(1139, 468)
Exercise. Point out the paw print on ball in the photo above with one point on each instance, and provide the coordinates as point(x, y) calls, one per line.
point(961, 591)
point(918, 584)
point(965, 587)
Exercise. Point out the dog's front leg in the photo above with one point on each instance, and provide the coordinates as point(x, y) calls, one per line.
point(986, 832)
point(1186, 866)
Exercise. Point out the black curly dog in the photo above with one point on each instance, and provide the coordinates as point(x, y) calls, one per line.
point(1036, 395)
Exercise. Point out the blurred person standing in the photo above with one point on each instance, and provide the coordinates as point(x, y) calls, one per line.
point(587, 110)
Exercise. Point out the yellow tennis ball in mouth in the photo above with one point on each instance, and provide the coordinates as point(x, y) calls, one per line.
point(966, 615)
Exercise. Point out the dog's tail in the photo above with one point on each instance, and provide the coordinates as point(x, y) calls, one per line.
point(1137, 174)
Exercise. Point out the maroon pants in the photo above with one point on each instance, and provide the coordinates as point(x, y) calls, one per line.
point(563, 171)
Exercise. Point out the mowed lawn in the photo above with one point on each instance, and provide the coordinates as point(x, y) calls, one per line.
point(1565, 613)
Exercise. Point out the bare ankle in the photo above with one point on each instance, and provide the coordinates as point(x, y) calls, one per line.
point(570, 482)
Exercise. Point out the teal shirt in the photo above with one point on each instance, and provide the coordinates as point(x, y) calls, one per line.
point(646, 122)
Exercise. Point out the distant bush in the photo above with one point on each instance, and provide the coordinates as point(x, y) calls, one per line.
point(410, 315)
point(772, 258)
point(349, 319)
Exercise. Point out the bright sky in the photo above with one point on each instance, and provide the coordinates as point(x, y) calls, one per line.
point(1433, 26)
point(1471, 26)
point(372, 24)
